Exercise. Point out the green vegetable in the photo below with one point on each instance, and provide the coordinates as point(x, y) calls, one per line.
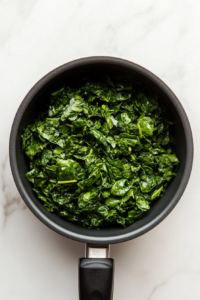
point(101, 153)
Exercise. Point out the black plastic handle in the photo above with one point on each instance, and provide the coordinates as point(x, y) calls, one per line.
point(96, 278)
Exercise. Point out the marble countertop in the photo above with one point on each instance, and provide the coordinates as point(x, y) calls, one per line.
point(35, 37)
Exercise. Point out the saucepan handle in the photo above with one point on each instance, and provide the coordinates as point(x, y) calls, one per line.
point(96, 274)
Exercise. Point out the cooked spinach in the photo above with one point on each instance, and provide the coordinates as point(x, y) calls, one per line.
point(101, 153)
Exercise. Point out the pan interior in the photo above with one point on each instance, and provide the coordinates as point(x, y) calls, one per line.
point(39, 96)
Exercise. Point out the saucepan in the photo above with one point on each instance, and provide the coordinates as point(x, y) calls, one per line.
point(97, 268)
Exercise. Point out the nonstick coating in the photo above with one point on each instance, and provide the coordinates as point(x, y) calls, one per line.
point(72, 72)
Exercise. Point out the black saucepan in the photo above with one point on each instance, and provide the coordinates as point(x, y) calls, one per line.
point(96, 270)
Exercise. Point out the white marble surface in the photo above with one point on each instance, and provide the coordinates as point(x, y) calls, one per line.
point(39, 35)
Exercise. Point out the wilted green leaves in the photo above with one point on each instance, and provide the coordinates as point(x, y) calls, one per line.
point(101, 153)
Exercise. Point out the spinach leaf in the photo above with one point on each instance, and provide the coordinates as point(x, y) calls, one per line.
point(146, 126)
point(101, 152)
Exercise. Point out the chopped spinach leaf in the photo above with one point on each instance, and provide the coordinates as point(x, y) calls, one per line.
point(101, 153)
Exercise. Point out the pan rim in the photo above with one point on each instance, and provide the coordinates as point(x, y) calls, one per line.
point(189, 150)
